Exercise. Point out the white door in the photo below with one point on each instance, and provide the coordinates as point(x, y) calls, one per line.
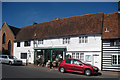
point(96, 60)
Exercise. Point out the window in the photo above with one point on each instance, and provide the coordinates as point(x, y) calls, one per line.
point(40, 41)
point(77, 55)
point(76, 62)
point(27, 43)
point(68, 61)
point(80, 39)
point(88, 57)
point(18, 44)
point(114, 42)
point(4, 57)
point(66, 40)
point(23, 55)
point(82, 56)
point(83, 39)
point(86, 39)
point(73, 55)
point(3, 39)
point(116, 59)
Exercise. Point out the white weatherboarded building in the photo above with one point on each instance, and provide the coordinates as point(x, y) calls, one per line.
point(77, 37)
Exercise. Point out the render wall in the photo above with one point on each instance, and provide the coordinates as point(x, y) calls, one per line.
point(93, 47)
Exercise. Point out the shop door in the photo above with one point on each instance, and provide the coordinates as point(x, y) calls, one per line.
point(47, 55)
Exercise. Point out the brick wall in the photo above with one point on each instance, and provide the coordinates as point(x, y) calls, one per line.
point(9, 36)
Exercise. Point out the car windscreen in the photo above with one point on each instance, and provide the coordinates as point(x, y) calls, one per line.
point(12, 57)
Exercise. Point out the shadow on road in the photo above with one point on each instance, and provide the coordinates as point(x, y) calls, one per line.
point(98, 74)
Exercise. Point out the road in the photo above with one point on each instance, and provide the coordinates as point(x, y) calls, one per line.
point(40, 72)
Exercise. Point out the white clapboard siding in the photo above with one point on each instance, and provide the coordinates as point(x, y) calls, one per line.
point(107, 52)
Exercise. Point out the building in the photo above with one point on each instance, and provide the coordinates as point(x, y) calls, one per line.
point(8, 35)
point(62, 37)
point(92, 38)
point(111, 42)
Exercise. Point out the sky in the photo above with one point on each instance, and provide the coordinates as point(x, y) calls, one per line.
point(21, 14)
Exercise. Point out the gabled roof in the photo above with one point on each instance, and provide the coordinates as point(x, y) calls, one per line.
point(77, 25)
point(15, 30)
point(111, 26)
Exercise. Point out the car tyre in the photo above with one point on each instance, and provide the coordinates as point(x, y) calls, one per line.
point(62, 69)
point(87, 72)
point(10, 63)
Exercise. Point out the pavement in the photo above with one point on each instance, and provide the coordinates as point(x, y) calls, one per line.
point(105, 72)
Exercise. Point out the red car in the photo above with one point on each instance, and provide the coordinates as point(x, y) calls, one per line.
point(75, 65)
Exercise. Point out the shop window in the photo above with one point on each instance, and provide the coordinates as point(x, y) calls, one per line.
point(23, 55)
point(18, 44)
point(88, 58)
point(66, 40)
point(73, 55)
point(77, 55)
point(82, 56)
point(3, 38)
point(116, 59)
point(27, 43)
point(83, 39)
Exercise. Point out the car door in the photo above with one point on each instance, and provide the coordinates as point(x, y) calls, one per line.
point(68, 65)
point(4, 59)
point(78, 67)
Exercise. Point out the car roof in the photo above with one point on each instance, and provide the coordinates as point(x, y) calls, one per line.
point(4, 55)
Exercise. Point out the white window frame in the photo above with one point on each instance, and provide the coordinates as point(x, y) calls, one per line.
point(40, 41)
point(117, 59)
point(78, 56)
point(82, 57)
point(66, 40)
point(83, 39)
point(73, 56)
point(88, 59)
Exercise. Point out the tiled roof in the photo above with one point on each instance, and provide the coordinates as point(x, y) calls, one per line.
point(15, 30)
point(110, 26)
point(71, 26)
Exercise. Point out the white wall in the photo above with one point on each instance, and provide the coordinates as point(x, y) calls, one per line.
point(94, 46)
point(22, 49)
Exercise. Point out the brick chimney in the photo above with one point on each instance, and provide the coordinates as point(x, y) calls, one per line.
point(34, 24)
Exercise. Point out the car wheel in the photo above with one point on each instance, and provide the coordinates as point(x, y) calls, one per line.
point(62, 69)
point(10, 63)
point(88, 72)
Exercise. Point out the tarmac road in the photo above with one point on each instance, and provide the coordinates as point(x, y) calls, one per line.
point(13, 71)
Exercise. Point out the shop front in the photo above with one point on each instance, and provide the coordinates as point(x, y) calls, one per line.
point(47, 55)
